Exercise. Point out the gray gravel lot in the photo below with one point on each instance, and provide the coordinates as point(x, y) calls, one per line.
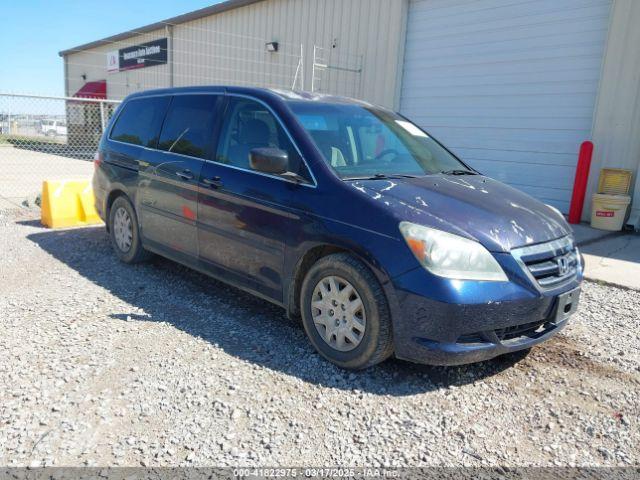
point(22, 171)
point(107, 364)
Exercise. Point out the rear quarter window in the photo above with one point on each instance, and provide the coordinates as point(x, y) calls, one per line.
point(140, 121)
point(188, 126)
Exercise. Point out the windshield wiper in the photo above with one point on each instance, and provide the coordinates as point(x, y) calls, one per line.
point(458, 172)
point(382, 176)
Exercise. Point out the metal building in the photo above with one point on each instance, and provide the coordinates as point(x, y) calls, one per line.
point(513, 88)
point(324, 45)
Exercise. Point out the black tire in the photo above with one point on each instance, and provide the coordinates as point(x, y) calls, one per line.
point(376, 344)
point(135, 253)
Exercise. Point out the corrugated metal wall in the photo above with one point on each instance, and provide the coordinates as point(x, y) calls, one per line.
point(229, 48)
point(616, 131)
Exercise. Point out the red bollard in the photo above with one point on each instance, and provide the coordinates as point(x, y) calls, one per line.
point(580, 182)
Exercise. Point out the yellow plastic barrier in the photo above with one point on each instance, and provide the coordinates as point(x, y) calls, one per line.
point(68, 203)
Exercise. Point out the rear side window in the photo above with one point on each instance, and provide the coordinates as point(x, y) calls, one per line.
point(140, 121)
point(188, 127)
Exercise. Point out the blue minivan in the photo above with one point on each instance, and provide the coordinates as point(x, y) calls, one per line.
point(348, 215)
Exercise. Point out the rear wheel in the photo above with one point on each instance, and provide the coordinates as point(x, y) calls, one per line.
point(345, 312)
point(125, 233)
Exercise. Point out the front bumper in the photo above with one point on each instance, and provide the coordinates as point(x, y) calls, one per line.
point(459, 353)
point(447, 322)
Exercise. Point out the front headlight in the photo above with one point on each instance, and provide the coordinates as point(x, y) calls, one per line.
point(451, 256)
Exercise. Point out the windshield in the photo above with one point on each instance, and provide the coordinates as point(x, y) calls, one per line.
point(366, 142)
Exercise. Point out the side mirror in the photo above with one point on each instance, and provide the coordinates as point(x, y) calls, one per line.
point(269, 160)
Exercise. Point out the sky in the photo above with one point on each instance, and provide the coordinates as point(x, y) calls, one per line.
point(34, 31)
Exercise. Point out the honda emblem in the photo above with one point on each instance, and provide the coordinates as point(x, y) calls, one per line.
point(563, 265)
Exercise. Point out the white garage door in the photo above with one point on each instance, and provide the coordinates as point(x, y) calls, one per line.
point(508, 85)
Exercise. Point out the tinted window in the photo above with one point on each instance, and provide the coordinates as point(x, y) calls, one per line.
point(188, 127)
point(140, 121)
point(251, 125)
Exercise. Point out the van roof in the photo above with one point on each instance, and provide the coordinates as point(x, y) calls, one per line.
point(286, 95)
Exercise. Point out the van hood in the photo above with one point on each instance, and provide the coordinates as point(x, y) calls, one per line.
point(498, 216)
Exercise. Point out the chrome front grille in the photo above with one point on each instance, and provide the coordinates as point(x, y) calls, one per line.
point(549, 264)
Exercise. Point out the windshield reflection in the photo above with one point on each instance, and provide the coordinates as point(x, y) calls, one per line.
point(361, 142)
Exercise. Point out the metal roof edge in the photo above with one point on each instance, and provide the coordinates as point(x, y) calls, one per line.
point(186, 17)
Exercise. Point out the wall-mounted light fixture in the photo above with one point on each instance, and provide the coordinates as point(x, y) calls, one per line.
point(272, 46)
point(84, 77)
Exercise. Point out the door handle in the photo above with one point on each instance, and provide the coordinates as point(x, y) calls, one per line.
point(213, 182)
point(185, 175)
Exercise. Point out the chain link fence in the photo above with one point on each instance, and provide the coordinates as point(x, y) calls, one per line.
point(45, 137)
point(49, 138)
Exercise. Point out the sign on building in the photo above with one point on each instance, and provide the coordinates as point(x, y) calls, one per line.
point(144, 55)
point(113, 61)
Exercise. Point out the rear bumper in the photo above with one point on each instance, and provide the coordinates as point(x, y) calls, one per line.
point(510, 317)
point(99, 195)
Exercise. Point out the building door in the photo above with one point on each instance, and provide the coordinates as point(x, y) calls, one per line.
point(509, 86)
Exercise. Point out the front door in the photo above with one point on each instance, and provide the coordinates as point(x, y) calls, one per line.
point(244, 217)
point(169, 178)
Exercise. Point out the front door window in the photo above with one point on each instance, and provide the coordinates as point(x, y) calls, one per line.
point(251, 125)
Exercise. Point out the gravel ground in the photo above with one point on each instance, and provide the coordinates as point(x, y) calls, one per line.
point(23, 169)
point(107, 364)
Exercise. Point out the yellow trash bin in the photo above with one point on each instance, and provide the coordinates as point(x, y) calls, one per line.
point(609, 211)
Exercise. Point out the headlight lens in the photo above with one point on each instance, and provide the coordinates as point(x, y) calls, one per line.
point(451, 256)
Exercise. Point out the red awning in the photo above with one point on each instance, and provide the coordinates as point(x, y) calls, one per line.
point(97, 89)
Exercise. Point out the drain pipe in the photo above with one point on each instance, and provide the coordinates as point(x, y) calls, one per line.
point(170, 51)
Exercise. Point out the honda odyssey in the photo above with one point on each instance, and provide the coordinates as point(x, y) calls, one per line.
point(347, 215)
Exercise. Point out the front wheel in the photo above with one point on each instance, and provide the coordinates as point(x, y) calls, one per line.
point(345, 312)
point(125, 233)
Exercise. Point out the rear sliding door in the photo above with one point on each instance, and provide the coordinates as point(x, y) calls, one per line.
point(168, 186)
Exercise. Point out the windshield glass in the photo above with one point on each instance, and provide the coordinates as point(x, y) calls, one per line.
point(365, 142)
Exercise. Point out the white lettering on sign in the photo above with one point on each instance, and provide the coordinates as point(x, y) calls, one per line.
point(134, 54)
point(141, 52)
point(601, 213)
